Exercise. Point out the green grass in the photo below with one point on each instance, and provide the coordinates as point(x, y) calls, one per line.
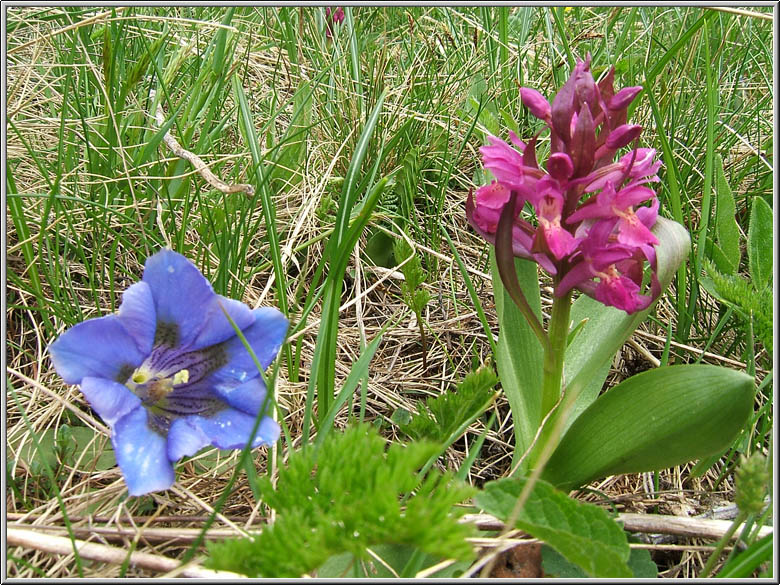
point(400, 93)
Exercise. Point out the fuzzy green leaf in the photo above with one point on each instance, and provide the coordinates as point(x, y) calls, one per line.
point(414, 296)
point(726, 226)
point(654, 420)
point(583, 533)
point(346, 497)
point(760, 248)
point(736, 291)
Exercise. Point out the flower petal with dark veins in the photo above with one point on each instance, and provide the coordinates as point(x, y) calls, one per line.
point(265, 336)
point(247, 397)
point(183, 296)
point(185, 439)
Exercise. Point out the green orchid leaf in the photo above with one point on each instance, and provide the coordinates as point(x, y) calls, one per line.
point(519, 354)
point(759, 234)
point(590, 353)
point(654, 420)
point(582, 533)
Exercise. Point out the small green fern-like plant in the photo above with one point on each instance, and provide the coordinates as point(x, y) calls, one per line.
point(415, 297)
point(440, 418)
point(346, 497)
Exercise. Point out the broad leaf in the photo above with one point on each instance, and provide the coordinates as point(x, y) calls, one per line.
point(726, 226)
point(591, 351)
point(600, 320)
point(654, 420)
point(555, 565)
point(760, 243)
point(583, 533)
point(519, 354)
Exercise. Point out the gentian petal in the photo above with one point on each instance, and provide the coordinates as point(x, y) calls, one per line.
point(265, 337)
point(142, 454)
point(217, 328)
point(185, 439)
point(230, 429)
point(111, 400)
point(248, 397)
point(100, 347)
point(138, 315)
point(183, 297)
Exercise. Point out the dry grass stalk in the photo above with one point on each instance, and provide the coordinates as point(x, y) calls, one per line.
point(195, 160)
point(108, 554)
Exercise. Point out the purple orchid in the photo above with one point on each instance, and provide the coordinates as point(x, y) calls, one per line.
point(618, 267)
point(336, 15)
point(168, 374)
point(591, 218)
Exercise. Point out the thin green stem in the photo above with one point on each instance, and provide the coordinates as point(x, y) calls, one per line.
point(710, 564)
point(553, 383)
point(558, 333)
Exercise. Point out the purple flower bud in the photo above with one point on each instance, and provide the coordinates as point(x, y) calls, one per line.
point(535, 102)
point(583, 143)
point(585, 89)
point(623, 136)
point(559, 166)
point(624, 97)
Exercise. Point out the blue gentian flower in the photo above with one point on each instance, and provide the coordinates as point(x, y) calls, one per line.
point(168, 374)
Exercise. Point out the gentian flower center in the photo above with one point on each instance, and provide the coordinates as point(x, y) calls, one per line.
point(172, 382)
point(152, 388)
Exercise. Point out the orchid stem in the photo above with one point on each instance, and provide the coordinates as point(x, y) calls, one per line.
point(552, 380)
point(554, 354)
